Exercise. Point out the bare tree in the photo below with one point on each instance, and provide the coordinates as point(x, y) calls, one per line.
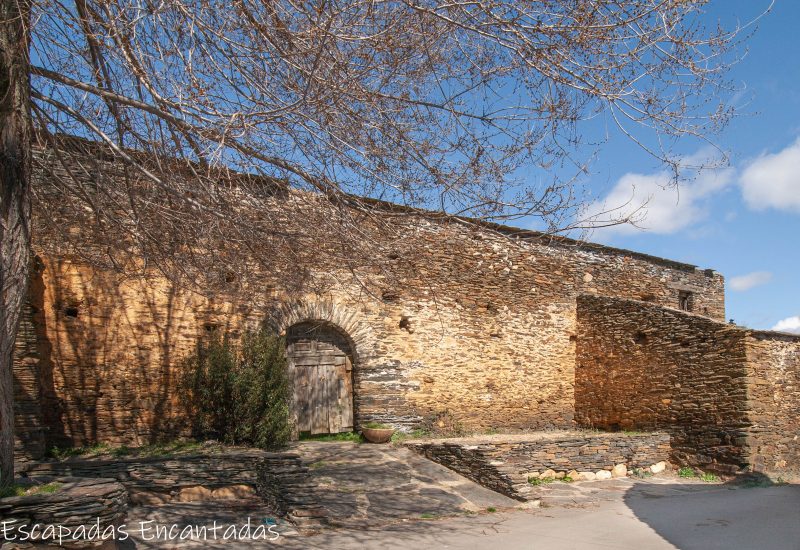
point(15, 167)
point(438, 105)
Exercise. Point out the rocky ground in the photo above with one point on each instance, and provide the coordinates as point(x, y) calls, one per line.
point(360, 487)
point(386, 496)
point(624, 513)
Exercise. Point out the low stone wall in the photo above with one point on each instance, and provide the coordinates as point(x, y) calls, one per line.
point(280, 478)
point(503, 463)
point(165, 474)
point(88, 512)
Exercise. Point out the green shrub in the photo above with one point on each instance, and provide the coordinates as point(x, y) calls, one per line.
point(399, 437)
point(16, 490)
point(537, 481)
point(209, 380)
point(703, 476)
point(239, 394)
point(63, 453)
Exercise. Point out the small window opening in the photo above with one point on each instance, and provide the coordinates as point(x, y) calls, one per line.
point(640, 337)
point(685, 300)
point(71, 312)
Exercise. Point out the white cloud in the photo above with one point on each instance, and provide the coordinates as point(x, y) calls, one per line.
point(790, 324)
point(773, 180)
point(655, 204)
point(746, 282)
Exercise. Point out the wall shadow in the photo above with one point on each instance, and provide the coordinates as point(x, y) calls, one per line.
point(750, 513)
point(51, 410)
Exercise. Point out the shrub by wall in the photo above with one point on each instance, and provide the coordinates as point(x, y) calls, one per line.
point(239, 394)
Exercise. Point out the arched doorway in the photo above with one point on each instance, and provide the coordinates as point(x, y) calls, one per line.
point(321, 369)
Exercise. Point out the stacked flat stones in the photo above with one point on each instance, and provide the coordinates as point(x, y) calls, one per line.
point(619, 470)
point(78, 502)
point(166, 474)
point(505, 463)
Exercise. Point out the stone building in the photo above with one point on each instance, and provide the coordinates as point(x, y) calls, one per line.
point(487, 326)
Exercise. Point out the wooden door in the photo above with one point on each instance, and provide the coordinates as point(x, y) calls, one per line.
point(320, 365)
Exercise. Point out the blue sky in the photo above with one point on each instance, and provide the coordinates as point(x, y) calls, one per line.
point(744, 220)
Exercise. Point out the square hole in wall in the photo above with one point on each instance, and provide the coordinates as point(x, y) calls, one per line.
point(685, 300)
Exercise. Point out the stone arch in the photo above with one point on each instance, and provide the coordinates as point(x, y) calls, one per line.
point(349, 322)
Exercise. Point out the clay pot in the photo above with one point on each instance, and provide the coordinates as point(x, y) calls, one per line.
point(377, 435)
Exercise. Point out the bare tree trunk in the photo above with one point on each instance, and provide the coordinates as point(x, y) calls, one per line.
point(15, 170)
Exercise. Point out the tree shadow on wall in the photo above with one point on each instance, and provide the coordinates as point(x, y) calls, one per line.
point(109, 367)
point(752, 513)
point(50, 405)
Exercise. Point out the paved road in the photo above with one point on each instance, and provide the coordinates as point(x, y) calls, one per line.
point(642, 516)
point(649, 516)
point(384, 497)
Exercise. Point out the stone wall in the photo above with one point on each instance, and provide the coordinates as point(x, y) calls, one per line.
point(492, 348)
point(280, 478)
point(29, 435)
point(773, 370)
point(456, 319)
point(110, 353)
point(728, 396)
point(85, 513)
point(503, 463)
point(167, 474)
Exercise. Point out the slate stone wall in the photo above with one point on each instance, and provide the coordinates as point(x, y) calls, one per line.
point(728, 396)
point(79, 505)
point(773, 362)
point(280, 478)
point(170, 474)
point(456, 320)
point(29, 435)
point(493, 349)
point(504, 465)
